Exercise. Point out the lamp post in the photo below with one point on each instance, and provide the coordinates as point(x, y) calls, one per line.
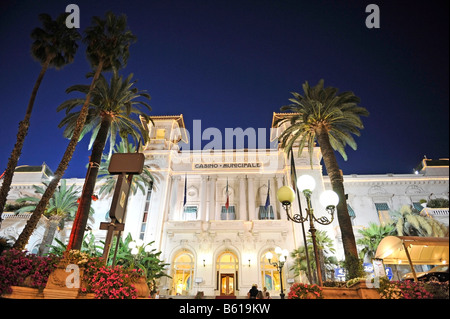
point(328, 199)
point(282, 255)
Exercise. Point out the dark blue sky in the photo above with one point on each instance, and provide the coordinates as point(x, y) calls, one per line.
point(233, 63)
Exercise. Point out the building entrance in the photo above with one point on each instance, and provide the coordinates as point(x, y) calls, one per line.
point(227, 284)
point(227, 274)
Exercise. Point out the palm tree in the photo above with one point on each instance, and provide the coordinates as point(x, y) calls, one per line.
point(372, 237)
point(111, 112)
point(54, 46)
point(326, 258)
point(329, 118)
point(61, 207)
point(410, 223)
point(108, 44)
point(143, 181)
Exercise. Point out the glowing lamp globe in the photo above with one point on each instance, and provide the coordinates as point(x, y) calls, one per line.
point(286, 195)
point(329, 198)
point(306, 182)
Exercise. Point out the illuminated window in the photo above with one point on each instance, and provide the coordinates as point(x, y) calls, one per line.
point(160, 133)
point(183, 273)
point(383, 212)
point(269, 274)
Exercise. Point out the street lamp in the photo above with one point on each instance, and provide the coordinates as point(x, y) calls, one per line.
point(282, 255)
point(329, 199)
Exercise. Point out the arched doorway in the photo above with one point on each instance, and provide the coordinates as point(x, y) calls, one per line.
point(227, 266)
point(183, 273)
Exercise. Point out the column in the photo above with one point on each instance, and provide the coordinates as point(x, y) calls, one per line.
point(242, 202)
point(203, 189)
point(273, 197)
point(280, 184)
point(179, 198)
point(212, 197)
point(173, 200)
point(219, 204)
point(251, 198)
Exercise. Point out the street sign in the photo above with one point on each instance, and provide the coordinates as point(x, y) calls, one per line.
point(389, 272)
point(120, 199)
point(128, 163)
point(339, 272)
point(368, 267)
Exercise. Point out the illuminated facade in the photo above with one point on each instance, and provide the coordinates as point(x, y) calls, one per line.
point(214, 215)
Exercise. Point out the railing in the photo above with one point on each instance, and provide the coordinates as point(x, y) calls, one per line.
point(431, 212)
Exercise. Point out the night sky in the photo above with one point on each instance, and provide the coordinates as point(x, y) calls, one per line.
point(233, 63)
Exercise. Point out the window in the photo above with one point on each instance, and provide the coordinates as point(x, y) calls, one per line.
point(351, 213)
point(160, 133)
point(383, 212)
point(229, 214)
point(266, 213)
point(417, 206)
point(145, 214)
point(190, 212)
point(269, 273)
point(183, 273)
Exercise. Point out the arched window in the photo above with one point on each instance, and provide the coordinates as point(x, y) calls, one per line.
point(269, 274)
point(183, 273)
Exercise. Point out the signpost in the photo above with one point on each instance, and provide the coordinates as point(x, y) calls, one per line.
point(120, 164)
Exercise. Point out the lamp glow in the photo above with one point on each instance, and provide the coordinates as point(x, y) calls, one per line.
point(329, 198)
point(286, 195)
point(269, 255)
point(306, 182)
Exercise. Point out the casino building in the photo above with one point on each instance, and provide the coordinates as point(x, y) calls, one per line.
point(214, 213)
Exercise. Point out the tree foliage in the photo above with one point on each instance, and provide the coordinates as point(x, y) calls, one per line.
point(410, 223)
point(372, 237)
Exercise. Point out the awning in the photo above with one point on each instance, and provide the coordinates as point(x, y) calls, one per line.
point(422, 250)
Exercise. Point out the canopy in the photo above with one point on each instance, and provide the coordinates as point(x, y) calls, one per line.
point(422, 250)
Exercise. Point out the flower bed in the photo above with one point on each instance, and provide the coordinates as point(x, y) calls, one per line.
point(26, 275)
point(305, 291)
point(413, 290)
point(18, 268)
point(113, 283)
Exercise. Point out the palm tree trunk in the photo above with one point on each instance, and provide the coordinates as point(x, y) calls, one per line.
point(337, 183)
point(80, 222)
point(21, 134)
point(49, 234)
point(22, 241)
